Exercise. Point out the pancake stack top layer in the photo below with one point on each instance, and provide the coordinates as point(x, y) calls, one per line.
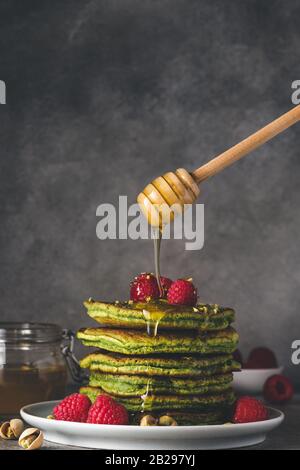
point(144, 315)
point(163, 359)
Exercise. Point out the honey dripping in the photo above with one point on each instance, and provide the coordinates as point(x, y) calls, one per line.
point(157, 243)
point(145, 395)
point(152, 317)
point(152, 321)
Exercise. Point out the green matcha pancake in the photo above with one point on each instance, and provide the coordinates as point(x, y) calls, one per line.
point(172, 366)
point(137, 342)
point(195, 403)
point(150, 315)
point(138, 385)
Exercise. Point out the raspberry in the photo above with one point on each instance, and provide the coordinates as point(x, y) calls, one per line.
point(106, 410)
point(261, 358)
point(249, 410)
point(142, 276)
point(278, 389)
point(75, 408)
point(144, 288)
point(165, 284)
point(182, 292)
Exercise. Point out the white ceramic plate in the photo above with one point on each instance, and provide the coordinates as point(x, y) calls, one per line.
point(101, 436)
point(252, 381)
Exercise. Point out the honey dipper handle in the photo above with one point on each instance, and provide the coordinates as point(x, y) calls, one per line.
point(246, 146)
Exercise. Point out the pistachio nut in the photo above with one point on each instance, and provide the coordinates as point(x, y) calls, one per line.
point(11, 429)
point(148, 420)
point(167, 421)
point(5, 431)
point(31, 439)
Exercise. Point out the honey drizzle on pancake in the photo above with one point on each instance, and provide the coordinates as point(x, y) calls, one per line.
point(145, 395)
point(152, 321)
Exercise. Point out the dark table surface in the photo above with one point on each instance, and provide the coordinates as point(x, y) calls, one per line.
point(286, 437)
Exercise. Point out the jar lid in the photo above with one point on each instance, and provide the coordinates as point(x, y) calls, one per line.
point(29, 332)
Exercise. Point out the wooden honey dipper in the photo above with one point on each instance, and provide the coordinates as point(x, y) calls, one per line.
point(181, 187)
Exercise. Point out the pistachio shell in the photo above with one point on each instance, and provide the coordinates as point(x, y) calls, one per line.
point(5, 431)
point(148, 420)
point(17, 427)
point(11, 429)
point(167, 421)
point(31, 439)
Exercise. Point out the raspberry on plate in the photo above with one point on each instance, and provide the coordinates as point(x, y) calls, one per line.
point(278, 389)
point(182, 292)
point(106, 410)
point(74, 407)
point(261, 358)
point(249, 410)
point(144, 288)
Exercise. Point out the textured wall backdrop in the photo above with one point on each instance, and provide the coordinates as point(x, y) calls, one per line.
point(102, 96)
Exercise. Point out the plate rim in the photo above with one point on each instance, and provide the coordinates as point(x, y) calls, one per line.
point(258, 371)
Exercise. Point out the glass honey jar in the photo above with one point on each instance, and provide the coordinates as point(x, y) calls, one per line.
point(34, 361)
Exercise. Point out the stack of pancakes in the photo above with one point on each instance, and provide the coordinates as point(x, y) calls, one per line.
point(161, 359)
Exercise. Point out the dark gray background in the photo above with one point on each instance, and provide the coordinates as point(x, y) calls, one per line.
point(102, 96)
